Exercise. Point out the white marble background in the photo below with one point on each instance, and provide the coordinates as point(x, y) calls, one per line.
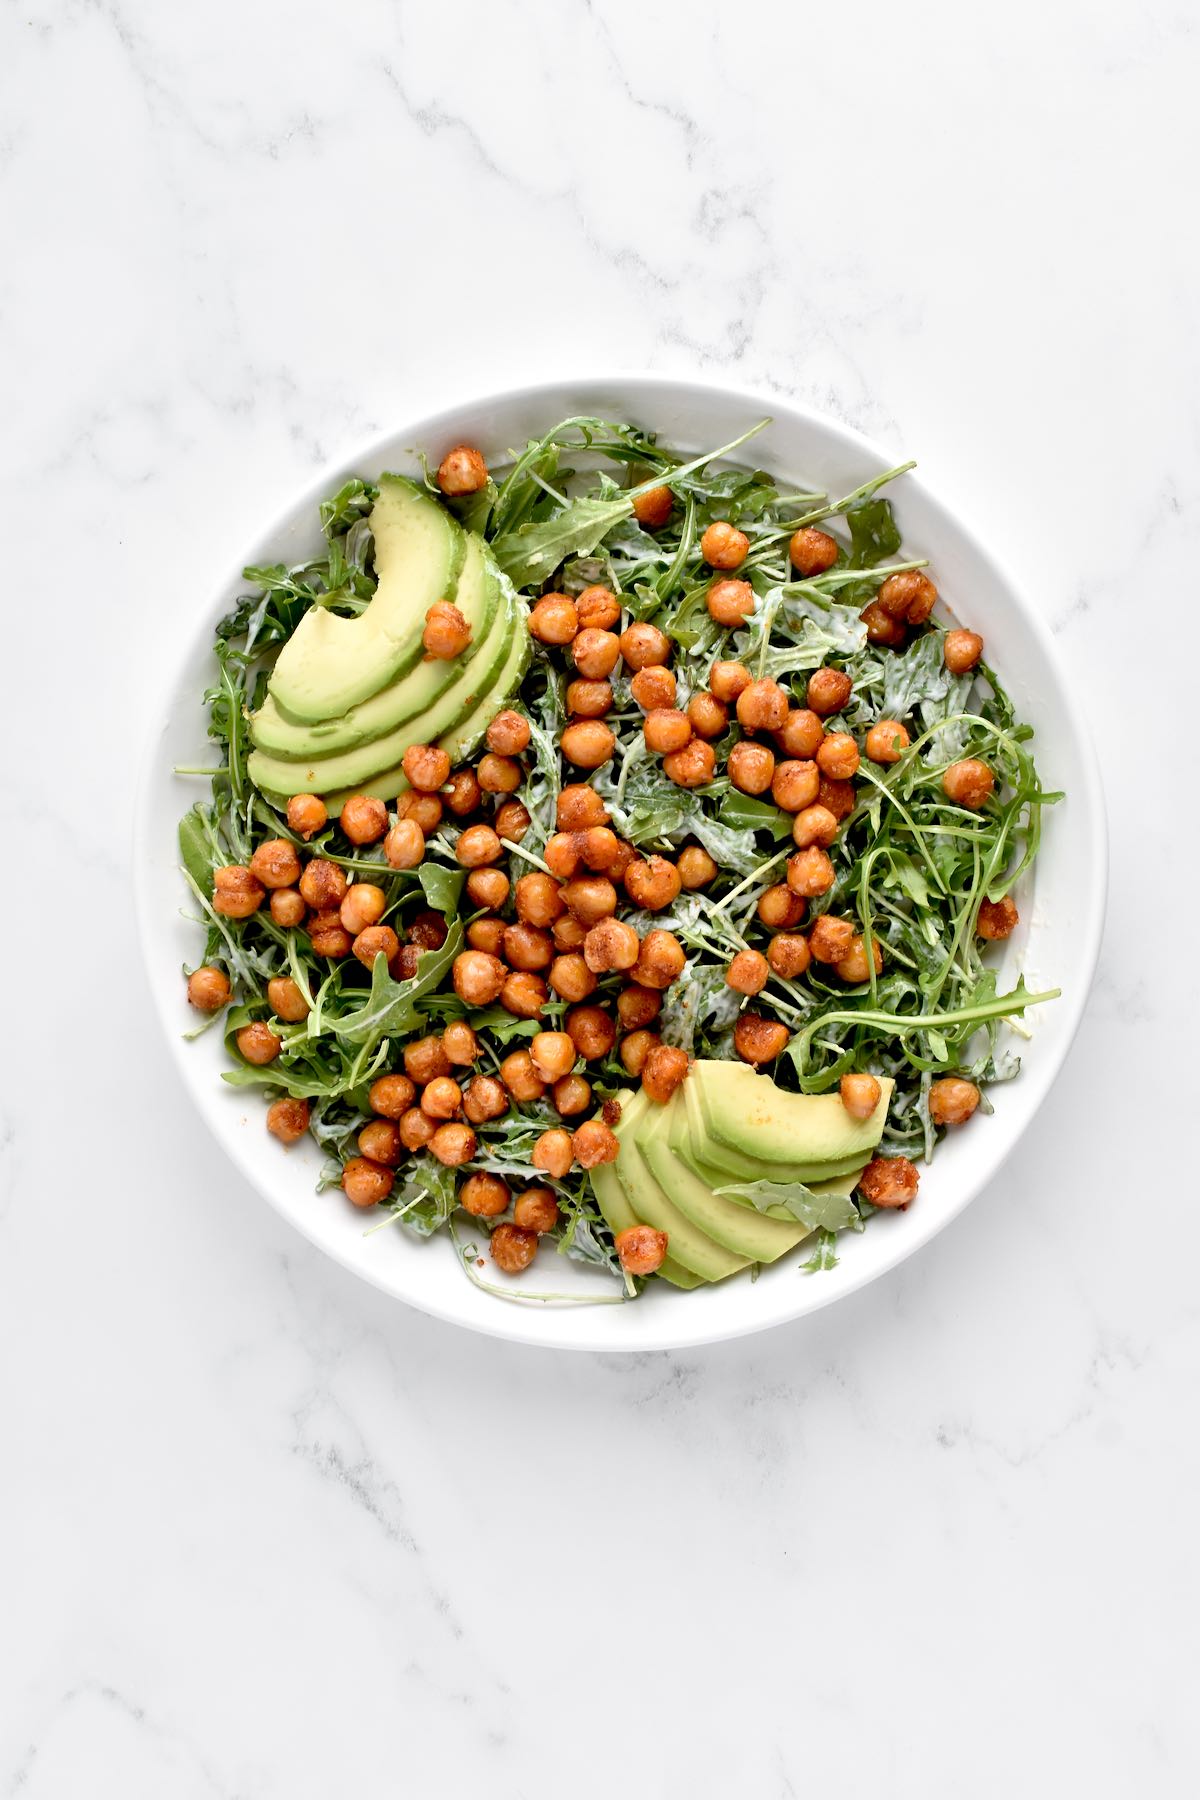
point(262, 1532)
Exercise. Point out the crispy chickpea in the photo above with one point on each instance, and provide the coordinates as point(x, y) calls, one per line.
point(652, 883)
point(693, 766)
point(527, 946)
point(403, 966)
point(306, 815)
point(286, 1000)
point(661, 960)
point(707, 715)
point(747, 973)
point(653, 508)
point(424, 810)
point(276, 864)
point(391, 1096)
point(366, 1183)
point(854, 967)
point(598, 608)
point(520, 1077)
point(446, 634)
point(830, 938)
point(258, 1043)
point(404, 845)
point(728, 680)
point(323, 885)
point(758, 1040)
point(596, 653)
point(498, 774)
point(512, 821)
point(801, 733)
point(961, 650)
point(416, 1128)
point(881, 627)
point(511, 1248)
point(287, 1119)
point(665, 730)
point(810, 872)
point(328, 936)
point(487, 887)
point(453, 1144)
point(462, 793)
point(365, 904)
point(814, 825)
point(599, 848)
point(723, 546)
point(484, 1098)
point(428, 930)
point(836, 797)
point(483, 1196)
point(237, 893)
point(779, 908)
point(828, 691)
point(592, 1032)
point(730, 603)
point(795, 785)
point(638, 1005)
point(287, 906)
point(536, 1210)
point(610, 944)
point(579, 807)
point(208, 989)
point(427, 767)
point(538, 899)
point(381, 1141)
point(588, 743)
point(635, 1048)
point(887, 741)
point(837, 757)
point(952, 1100)
point(376, 940)
point(478, 977)
point(572, 1095)
point(997, 919)
point(524, 994)
point(653, 687)
point(570, 978)
point(695, 867)
point(860, 1095)
point(462, 471)
point(621, 861)
point(751, 768)
point(459, 1044)
point(811, 552)
point(442, 1098)
point(910, 596)
point(553, 1054)
point(487, 935)
point(763, 706)
point(594, 1143)
point(641, 1249)
point(508, 734)
point(589, 699)
point(562, 854)
point(476, 846)
point(425, 1060)
point(788, 954)
point(591, 898)
point(643, 645)
point(554, 619)
point(968, 783)
point(889, 1181)
point(552, 1153)
point(664, 1068)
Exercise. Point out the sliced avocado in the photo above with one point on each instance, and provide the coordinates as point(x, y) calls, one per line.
point(689, 1245)
point(330, 663)
point(477, 597)
point(751, 1115)
point(741, 1229)
point(618, 1215)
point(719, 1166)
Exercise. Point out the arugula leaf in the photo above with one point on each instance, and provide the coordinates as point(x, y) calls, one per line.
point(442, 886)
point(874, 533)
point(390, 1009)
point(825, 1212)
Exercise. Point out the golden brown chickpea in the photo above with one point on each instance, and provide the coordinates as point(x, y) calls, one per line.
point(961, 651)
point(524, 994)
point(695, 868)
point(511, 1248)
point(652, 883)
point(554, 619)
point(403, 966)
point(663, 1070)
point(810, 873)
point(588, 743)
point(653, 687)
point(589, 699)
point(425, 1059)
point(830, 938)
point(887, 741)
point(811, 552)
point(591, 1031)
point(391, 1096)
point(365, 904)
point(512, 821)
point(462, 793)
point(487, 887)
point(968, 783)
point(484, 1098)
point(635, 1048)
point(570, 977)
point(478, 977)
point(579, 807)
point(779, 908)
point(795, 785)
point(508, 733)
point(538, 900)
point(237, 893)
point(428, 930)
point(661, 960)
point(814, 825)
point(571, 1095)
point(323, 885)
point(910, 596)
point(747, 973)
point(626, 854)
point(427, 767)
point(665, 730)
point(643, 645)
point(653, 508)
point(610, 944)
point(707, 715)
point(837, 797)
point(641, 1249)
point(276, 864)
point(997, 919)
point(788, 954)
point(258, 1043)
point(404, 845)
point(801, 733)
point(499, 774)
point(758, 1040)
point(462, 471)
point(287, 1119)
point(287, 906)
point(486, 935)
point(208, 989)
point(376, 940)
point(751, 768)
point(881, 627)
point(828, 691)
point(483, 1196)
point(446, 634)
point(860, 1095)
point(366, 1183)
point(424, 810)
point(527, 946)
point(590, 897)
point(838, 757)
point(730, 603)
point(889, 1181)
point(598, 609)
point(328, 936)
point(552, 1153)
point(477, 846)
point(599, 848)
point(536, 1210)
point(593, 1143)
point(380, 1140)
point(693, 766)
point(854, 967)
point(520, 1077)
point(763, 706)
point(460, 1044)
point(562, 854)
point(728, 680)
point(287, 1001)
point(442, 1098)
point(723, 546)
point(553, 1054)
point(952, 1100)
point(638, 1006)
point(306, 815)
point(453, 1145)
point(595, 653)
point(416, 1128)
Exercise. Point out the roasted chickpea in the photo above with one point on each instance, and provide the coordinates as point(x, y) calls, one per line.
point(404, 845)
point(626, 854)
point(589, 699)
point(594, 1143)
point(814, 825)
point(376, 940)
point(591, 1031)
point(828, 691)
point(487, 935)
point(499, 774)
point(511, 1248)
point(446, 634)
point(952, 1100)
point(524, 994)
point(652, 883)
point(590, 897)
point(366, 1183)
point(889, 1181)
point(910, 596)
point(730, 603)
point(653, 508)
point(487, 887)
point(459, 1044)
point(287, 1119)
point(571, 1095)
point(837, 797)
point(810, 873)
point(598, 608)
point(723, 546)
point(478, 977)
point(462, 471)
point(306, 815)
point(579, 807)
point(758, 1040)
point(751, 768)
point(258, 1043)
point(552, 1153)
point(328, 936)
point(483, 1196)
point(695, 867)
point(512, 821)
point(553, 1054)
point(428, 930)
point(425, 1060)
point(570, 977)
point(653, 687)
point(276, 864)
point(728, 680)
point(854, 966)
point(881, 627)
point(830, 938)
point(638, 1005)
point(997, 919)
point(588, 743)
point(237, 893)
point(693, 766)
point(462, 793)
point(642, 645)
point(747, 973)
point(610, 944)
point(635, 1048)
point(477, 846)
point(664, 1068)
point(779, 908)
point(968, 783)
point(520, 1077)
point(484, 1098)
point(860, 1095)
point(538, 899)
point(365, 904)
point(665, 730)
point(391, 1096)
point(961, 650)
point(595, 653)
point(641, 1249)
point(323, 885)
point(424, 810)
point(661, 960)
point(208, 989)
point(381, 1141)
point(453, 1145)
point(403, 966)
point(442, 1098)
point(795, 785)
point(536, 1210)
point(287, 906)
point(554, 619)
point(416, 1129)
point(763, 706)
point(427, 767)
point(527, 946)
point(801, 733)
point(788, 954)
point(599, 848)
point(562, 854)
point(508, 734)
point(887, 741)
point(837, 757)
point(286, 1000)
point(811, 552)
point(707, 715)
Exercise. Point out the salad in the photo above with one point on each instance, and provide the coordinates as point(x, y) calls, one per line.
point(603, 855)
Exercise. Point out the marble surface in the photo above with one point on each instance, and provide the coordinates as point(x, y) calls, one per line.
point(267, 1534)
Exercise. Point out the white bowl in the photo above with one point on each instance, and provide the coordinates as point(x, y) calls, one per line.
point(1056, 944)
